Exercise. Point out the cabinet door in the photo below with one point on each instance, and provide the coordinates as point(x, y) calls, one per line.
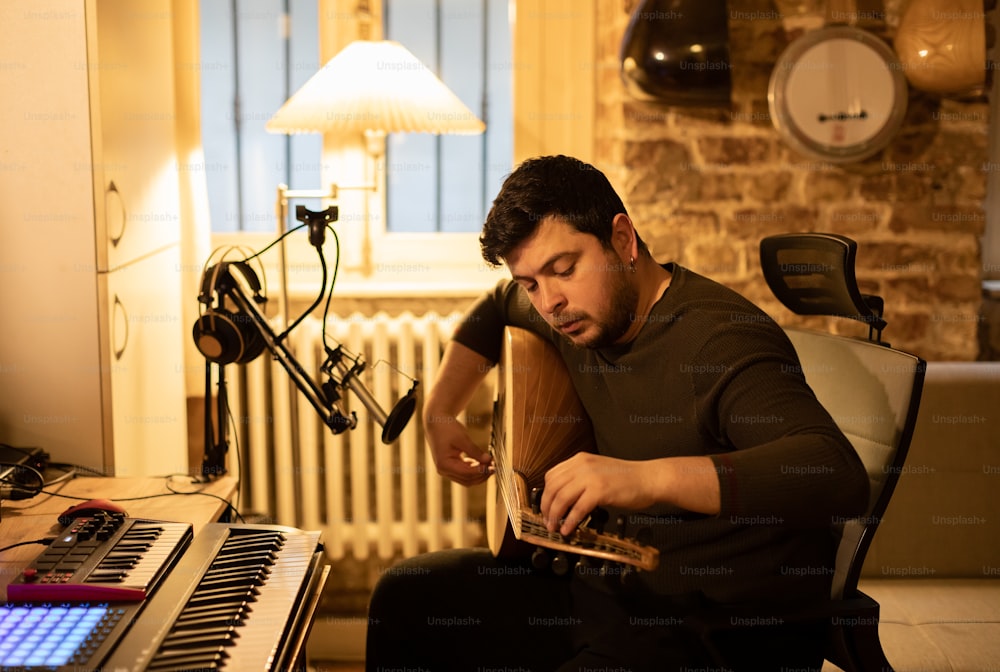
point(146, 362)
point(131, 68)
point(50, 379)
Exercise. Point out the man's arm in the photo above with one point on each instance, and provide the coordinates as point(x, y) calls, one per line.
point(457, 457)
point(790, 460)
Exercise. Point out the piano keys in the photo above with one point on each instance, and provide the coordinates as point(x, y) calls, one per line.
point(242, 597)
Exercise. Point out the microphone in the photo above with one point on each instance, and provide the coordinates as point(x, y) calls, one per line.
point(393, 423)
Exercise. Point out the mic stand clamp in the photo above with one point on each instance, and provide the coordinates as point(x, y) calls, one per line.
point(331, 388)
point(336, 420)
point(317, 222)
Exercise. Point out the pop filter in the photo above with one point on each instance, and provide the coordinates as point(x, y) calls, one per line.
point(399, 415)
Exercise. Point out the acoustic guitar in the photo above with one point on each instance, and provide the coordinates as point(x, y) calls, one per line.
point(538, 421)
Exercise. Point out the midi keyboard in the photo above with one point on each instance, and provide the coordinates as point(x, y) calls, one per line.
point(103, 557)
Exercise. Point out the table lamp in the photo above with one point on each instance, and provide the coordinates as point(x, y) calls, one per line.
point(372, 88)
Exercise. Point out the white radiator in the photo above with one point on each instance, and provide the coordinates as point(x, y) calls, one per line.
point(363, 495)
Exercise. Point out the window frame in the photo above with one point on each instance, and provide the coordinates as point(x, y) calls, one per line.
point(554, 104)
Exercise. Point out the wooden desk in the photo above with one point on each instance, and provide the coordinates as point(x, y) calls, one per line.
point(151, 498)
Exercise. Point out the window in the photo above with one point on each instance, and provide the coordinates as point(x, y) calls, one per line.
point(250, 66)
point(446, 183)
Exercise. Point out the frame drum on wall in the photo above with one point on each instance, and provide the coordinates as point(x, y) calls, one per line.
point(837, 94)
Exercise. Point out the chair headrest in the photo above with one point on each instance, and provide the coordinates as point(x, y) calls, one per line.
point(813, 274)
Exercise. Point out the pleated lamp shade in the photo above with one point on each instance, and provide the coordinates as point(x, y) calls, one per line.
point(374, 86)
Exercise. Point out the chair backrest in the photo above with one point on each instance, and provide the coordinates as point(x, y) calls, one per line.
point(873, 393)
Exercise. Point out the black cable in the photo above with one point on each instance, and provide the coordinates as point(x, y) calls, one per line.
point(322, 260)
point(319, 297)
point(21, 490)
point(154, 496)
point(323, 288)
point(52, 493)
point(239, 461)
point(91, 471)
point(333, 281)
point(173, 492)
point(275, 242)
point(45, 541)
point(59, 479)
point(229, 505)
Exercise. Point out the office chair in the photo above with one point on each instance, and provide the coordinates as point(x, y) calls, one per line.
point(873, 393)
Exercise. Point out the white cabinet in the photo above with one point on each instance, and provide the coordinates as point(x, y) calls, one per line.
point(91, 355)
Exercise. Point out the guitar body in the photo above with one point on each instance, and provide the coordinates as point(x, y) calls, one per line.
point(500, 536)
point(538, 422)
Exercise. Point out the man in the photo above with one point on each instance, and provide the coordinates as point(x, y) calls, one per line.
point(707, 437)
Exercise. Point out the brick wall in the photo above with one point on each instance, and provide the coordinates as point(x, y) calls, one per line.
point(705, 185)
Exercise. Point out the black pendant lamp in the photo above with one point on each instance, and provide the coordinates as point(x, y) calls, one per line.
point(676, 52)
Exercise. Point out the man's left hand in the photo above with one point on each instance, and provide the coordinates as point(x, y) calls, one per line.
point(573, 488)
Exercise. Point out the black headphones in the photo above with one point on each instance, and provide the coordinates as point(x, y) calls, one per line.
point(221, 335)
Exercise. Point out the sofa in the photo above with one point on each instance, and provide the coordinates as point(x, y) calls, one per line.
point(934, 563)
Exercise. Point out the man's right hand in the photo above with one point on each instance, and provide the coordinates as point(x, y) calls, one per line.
point(456, 456)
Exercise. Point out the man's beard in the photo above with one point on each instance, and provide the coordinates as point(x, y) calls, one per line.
point(623, 301)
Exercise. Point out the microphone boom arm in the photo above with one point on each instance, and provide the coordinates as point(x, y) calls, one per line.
point(327, 408)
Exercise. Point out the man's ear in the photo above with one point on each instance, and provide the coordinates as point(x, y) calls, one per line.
point(623, 237)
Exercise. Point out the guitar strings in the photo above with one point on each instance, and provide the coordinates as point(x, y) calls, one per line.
point(503, 473)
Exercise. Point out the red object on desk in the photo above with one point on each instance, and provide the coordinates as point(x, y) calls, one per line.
point(89, 508)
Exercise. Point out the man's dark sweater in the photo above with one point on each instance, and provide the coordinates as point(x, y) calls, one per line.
point(710, 374)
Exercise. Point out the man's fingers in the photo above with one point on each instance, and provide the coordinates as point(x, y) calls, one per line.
point(465, 470)
point(482, 463)
point(567, 507)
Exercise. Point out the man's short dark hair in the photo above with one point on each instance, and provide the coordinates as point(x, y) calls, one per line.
point(548, 186)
